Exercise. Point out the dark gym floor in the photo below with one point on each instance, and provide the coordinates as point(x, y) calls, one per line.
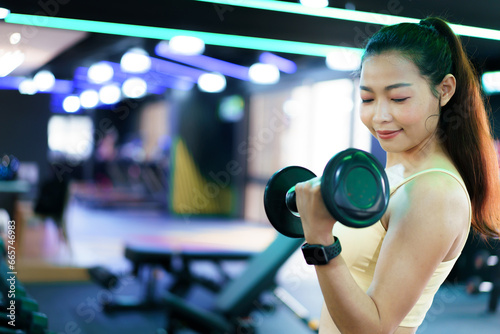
point(97, 237)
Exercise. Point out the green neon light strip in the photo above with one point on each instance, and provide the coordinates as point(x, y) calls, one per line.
point(235, 41)
point(349, 15)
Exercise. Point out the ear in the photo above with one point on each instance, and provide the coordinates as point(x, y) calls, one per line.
point(447, 88)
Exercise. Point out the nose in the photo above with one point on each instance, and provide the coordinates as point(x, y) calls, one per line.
point(381, 112)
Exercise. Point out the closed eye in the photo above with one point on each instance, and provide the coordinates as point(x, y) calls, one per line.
point(366, 101)
point(400, 100)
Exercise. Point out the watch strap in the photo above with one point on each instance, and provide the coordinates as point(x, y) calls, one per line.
point(320, 254)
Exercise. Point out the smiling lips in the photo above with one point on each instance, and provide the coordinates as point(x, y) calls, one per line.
point(388, 134)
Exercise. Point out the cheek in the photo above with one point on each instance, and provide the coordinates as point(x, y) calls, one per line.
point(410, 115)
point(366, 116)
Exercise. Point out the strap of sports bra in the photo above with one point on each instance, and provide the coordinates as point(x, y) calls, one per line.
point(408, 179)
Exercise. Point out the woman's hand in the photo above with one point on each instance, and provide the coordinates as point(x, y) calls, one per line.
point(316, 220)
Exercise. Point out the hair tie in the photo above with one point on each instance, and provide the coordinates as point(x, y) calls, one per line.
point(429, 26)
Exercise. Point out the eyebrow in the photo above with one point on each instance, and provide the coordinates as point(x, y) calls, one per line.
point(394, 86)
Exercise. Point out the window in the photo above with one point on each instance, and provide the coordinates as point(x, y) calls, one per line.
point(70, 137)
point(305, 126)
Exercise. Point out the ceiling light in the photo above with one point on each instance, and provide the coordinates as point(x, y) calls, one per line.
point(187, 45)
point(235, 41)
point(174, 69)
point(4, 12)
point(343, 60)
point(264, 74)
point(350, 15)
point(212, 82)
point(28, 87)
point(71, 104)
point(135, 60)
point(134, 88)
point(100, 73)
point(9, 61)
point(283, 64)
point(204, 62)
point(491, 82)
point(44, 80)
point(15, 38)
point(315, 3)
point(109, 94)
point(89, 98)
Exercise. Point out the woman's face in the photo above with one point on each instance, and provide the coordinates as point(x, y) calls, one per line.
point(397, 104)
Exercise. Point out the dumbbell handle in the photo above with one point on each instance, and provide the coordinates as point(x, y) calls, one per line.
point(291, 201)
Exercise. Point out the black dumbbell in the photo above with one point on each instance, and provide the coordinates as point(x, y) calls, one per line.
point(354, 187)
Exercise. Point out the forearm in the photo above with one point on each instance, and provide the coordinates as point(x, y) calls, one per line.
point(352, 310)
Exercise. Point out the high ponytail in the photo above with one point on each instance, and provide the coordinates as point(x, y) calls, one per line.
point(463, 128)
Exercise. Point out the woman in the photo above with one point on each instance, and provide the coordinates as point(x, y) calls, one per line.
point(421, 100)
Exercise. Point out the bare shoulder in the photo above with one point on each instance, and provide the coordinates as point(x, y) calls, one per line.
point(433, 202)
point(437, 187)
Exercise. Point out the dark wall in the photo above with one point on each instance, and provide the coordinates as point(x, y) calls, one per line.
point(209, 140)
point(494, 102)
point(23, 127)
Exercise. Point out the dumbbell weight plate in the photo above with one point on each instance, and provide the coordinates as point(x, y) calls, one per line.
point(355, 188)
point(282, 219)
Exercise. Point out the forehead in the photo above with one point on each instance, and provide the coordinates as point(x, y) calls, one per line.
point(388, 68)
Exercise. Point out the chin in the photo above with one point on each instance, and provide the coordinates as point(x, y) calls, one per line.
point(392, 147)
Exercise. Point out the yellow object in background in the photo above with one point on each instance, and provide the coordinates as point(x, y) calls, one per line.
point(191, 192)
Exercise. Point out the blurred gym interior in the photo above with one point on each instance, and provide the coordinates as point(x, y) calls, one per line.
point(137, 139)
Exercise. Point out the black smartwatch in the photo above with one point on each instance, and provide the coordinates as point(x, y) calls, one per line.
point(319, 254)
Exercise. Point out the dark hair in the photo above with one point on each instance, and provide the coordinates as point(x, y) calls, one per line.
point(463, 128)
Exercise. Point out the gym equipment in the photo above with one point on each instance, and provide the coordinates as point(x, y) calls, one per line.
point(237, 299)
point(354, 187)
point(28, 318)
point(147, 259)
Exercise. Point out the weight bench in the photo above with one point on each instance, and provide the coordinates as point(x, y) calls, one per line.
point(235, 297)
point(233, 304)
point(146, 258)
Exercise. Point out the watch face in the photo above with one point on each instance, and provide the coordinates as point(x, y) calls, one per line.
point(315, 255)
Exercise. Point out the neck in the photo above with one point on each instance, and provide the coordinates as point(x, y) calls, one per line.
point(417, 158)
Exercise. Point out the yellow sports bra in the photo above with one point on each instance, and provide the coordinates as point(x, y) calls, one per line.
point(361, 247)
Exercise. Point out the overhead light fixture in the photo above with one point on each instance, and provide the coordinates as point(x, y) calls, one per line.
point(343, 61)
point(491, 82)
point(4, 12)
point(71, 104)
point(235, 41)
point(9, 61)
point(15, 38)
point(135, 60)
point(100, 73)
point(134, 88)
point(186, 45)
point(315, 3)
point(207, 63)
point(28, 87)
point(44, 80)
point(161, 77)
point(10, 83)
point(170, 68)
point(212, 82)
point(283, 64)
point(264, 74)
point(109, 94)
point(89, 98)
point(351, 15)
